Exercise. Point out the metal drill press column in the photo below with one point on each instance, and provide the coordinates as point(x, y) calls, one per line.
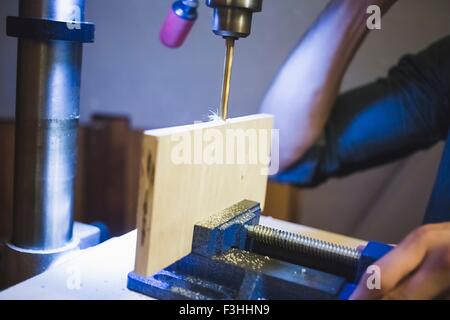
point(47, 112)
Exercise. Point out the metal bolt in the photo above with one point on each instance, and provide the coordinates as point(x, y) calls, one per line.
point(305, 246)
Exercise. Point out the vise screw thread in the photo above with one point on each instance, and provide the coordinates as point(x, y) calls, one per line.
point(305, 246)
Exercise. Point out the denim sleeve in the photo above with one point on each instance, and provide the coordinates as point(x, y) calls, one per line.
point(407, 111)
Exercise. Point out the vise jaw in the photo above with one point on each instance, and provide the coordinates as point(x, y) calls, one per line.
point(226, 230)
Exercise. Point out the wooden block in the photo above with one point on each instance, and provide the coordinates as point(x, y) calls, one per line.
point(174, 194)
point(281, 201)
point(6, 177)
point(133, 161)
point(106, 170)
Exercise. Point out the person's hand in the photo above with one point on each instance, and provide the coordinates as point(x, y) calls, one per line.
point(417, 269)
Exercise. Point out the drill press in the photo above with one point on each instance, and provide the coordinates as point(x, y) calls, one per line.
point(232, 19)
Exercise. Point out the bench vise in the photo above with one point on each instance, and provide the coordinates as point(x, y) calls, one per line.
point(233, 257)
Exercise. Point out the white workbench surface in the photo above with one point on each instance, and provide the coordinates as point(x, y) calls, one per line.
point(102, 270)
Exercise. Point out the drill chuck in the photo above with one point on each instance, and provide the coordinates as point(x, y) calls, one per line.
point(233, 18)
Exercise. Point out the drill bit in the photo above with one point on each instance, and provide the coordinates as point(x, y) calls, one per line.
point(227, 77)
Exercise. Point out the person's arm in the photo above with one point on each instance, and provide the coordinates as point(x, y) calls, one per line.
point(303, 93)
point(391, 118)
point(377, 123)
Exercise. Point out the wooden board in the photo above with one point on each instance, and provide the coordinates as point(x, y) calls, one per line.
point(112, 172)
point(174, 195)
point(281, 201)
point(6, 177)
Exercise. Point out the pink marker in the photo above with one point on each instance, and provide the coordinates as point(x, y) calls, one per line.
point(178, 23)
